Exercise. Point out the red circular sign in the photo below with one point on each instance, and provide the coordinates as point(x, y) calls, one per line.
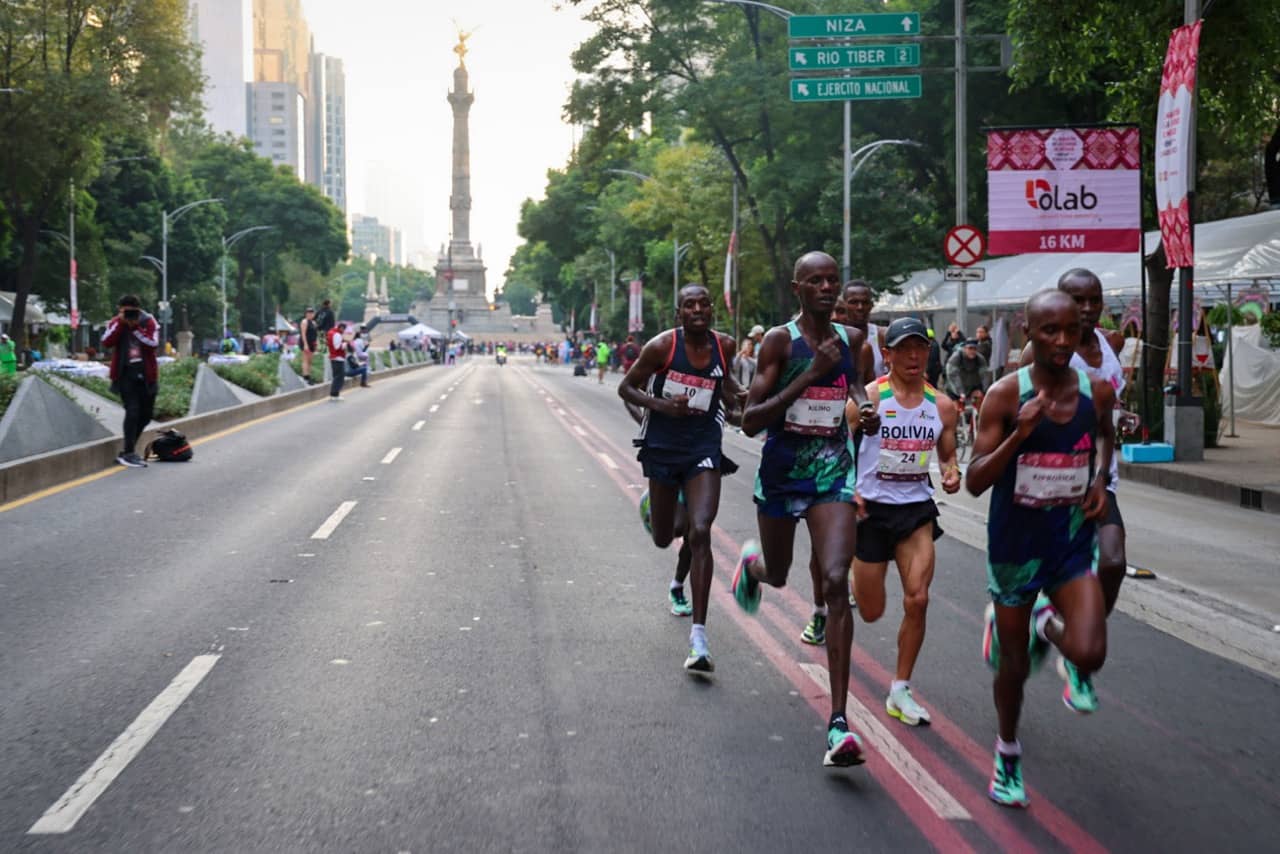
point(964, 246)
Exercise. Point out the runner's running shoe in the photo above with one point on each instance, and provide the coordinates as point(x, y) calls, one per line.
point(1006, 787)
point(680, 606)
point(990, 642)
point(815, 634)
point(644, 513)
point(699, 660)
point(1078, 694)
point(746, 590)
point(1038, 647)
point(844, 748)
point(901, 705)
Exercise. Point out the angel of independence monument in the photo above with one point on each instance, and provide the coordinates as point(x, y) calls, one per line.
point(460, 302)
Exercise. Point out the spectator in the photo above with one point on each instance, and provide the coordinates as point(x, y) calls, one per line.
point(135, 373)
point(933, 371)
point(358, 358)
point(308, 340)
point(8, 356)
point(325, 319)
point(984, 343)
point(630, 352)
point(392, 345)
point(602, 360)
point(337, 346)
point(744, 365)
point(951, 339)
point(967, 371)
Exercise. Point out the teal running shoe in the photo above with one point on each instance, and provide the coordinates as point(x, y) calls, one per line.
point(680, 606)
point(1077, 694)
point(815, 634)
point(1006, 787)
point(844, 748)
point(990, 642)
point(645, 518)
point(746, 590)
point(1038, 647)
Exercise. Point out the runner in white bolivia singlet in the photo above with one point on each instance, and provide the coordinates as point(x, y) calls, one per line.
point(897, 518)
point(1096, 356)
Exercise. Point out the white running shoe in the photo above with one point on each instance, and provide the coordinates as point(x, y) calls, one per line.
point(901, 705)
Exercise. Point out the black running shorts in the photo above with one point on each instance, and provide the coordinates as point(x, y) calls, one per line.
point(887, 525)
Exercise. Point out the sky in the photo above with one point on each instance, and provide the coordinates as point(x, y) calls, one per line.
point(399, 67)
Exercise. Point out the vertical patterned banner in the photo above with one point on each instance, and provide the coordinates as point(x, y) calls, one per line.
point(635, 307)
point(1173, 137)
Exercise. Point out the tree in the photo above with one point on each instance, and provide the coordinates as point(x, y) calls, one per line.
point(521, 296)
point(89, 71)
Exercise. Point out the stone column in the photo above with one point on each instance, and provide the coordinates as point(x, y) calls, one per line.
point(460, 201)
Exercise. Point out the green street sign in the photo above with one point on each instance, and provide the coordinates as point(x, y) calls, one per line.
point(854, 56)
point(855, 88)
point(853, 26)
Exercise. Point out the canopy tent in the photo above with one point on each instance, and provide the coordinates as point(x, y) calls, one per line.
point(283, 324)
point(1242, 249)
point(419, 330)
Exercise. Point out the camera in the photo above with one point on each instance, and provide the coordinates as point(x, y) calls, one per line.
point(132, 314)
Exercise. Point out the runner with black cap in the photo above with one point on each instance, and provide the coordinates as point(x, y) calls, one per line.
point(897, 515)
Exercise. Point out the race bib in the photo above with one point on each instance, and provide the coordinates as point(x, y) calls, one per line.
point(904, 459)
point(698, 390)
point(1051, 480)
point(818, 412)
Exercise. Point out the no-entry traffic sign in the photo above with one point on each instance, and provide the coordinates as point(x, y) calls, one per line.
point(964, 246)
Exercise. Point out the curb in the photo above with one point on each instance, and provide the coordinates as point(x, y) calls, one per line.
point(21, 478)
point(1266, 500)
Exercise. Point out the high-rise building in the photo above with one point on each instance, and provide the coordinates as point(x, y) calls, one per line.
point(277, 124)
point(370, 237)
point(278, 96)
point(327, 126)
point(224, 31)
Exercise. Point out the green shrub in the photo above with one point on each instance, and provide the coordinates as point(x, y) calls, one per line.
point(385, 355)
point(317, 366)
point(8, 388)
point(100, 386)
point(259, 375)
point(1271, 327)
point(177, 379)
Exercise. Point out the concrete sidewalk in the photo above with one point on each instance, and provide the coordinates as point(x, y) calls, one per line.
point(1244, 471)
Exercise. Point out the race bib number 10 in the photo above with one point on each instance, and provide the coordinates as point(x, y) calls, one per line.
point(818, 412)
point(699, 390)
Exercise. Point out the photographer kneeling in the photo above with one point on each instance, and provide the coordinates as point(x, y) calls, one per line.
point(134, 373)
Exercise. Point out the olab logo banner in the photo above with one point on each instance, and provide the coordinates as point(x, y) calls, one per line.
point(1063, 190)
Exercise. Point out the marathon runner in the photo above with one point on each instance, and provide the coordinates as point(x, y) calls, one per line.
point(852, 309)
point(1045, 442)
point(1096, 356)
point(682, 378)
point(897, 517)
point(806, 372)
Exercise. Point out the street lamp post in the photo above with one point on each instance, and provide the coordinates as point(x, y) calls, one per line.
point(227, 243)
point(613, 279)
point(851, 169)
point(166, 220)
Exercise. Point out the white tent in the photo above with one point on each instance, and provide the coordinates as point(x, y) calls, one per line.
point(1241, 249)
point(419, 330)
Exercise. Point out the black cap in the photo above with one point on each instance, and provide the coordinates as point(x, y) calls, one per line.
point(904, 328)
point(972, 342)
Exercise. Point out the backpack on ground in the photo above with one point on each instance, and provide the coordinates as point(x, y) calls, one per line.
point(169, 446)
point(579, 369)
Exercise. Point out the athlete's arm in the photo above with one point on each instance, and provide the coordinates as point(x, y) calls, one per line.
point(653, 358)
point(947, 445)
point(996, 445)
point(1027, 356)
point(1115, 338)
point(774, 349)
point(1104, 399)
point(867, 363)
point(864, 376)
point(735, 396)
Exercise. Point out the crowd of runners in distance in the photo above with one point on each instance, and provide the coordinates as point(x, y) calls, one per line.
point(855, 433)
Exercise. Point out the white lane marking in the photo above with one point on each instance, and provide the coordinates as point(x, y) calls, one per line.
point(926, 786)
point(606, 459)
point(434, 407)
point(444, 397)
point(334, 520)
point(562, 412)
point(391, 456)
point(63, 815)
point(418, 426)
point(579, 430)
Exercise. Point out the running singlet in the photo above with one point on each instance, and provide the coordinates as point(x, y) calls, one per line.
point(893, 465)
point(873, 335)
point(1110, 371)
point(1036, 519)
point(699, 433)
point(807, 451)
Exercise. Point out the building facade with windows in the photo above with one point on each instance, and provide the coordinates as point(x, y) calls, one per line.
point(224, 31)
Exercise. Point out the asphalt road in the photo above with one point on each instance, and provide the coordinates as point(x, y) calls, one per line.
point(478, 657)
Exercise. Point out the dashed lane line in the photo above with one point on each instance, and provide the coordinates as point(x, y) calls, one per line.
point(391, 456)
point(418, 426)
point(63, 815)
point(606, 459)
point(335, 519)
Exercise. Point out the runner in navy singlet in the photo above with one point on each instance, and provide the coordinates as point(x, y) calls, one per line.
point(1045, 442)
point(683, 383)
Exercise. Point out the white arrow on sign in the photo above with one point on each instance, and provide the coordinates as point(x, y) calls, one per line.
point(800, 58)
point(802, 88)
point(906, 25)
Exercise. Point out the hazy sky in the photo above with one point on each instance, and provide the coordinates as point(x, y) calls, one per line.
point(399, 65)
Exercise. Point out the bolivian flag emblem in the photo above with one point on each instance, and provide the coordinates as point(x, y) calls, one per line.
point(891, 413)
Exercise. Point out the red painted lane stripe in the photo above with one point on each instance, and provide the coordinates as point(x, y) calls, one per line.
point(1044, 813)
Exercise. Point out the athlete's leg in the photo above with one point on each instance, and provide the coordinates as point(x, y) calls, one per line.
point(663, 500)
point(1081, 633)
point(777, 543)
point(1014, 631)
point(833, 527)
point(683, 561)
point(915, 559)
point(815, 575)
point(702, 499)
point(868, 588)
point(1112, 562)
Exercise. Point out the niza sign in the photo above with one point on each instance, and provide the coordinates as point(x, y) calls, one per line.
point(855, 88)
point(853, 26)
point(854, 56)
